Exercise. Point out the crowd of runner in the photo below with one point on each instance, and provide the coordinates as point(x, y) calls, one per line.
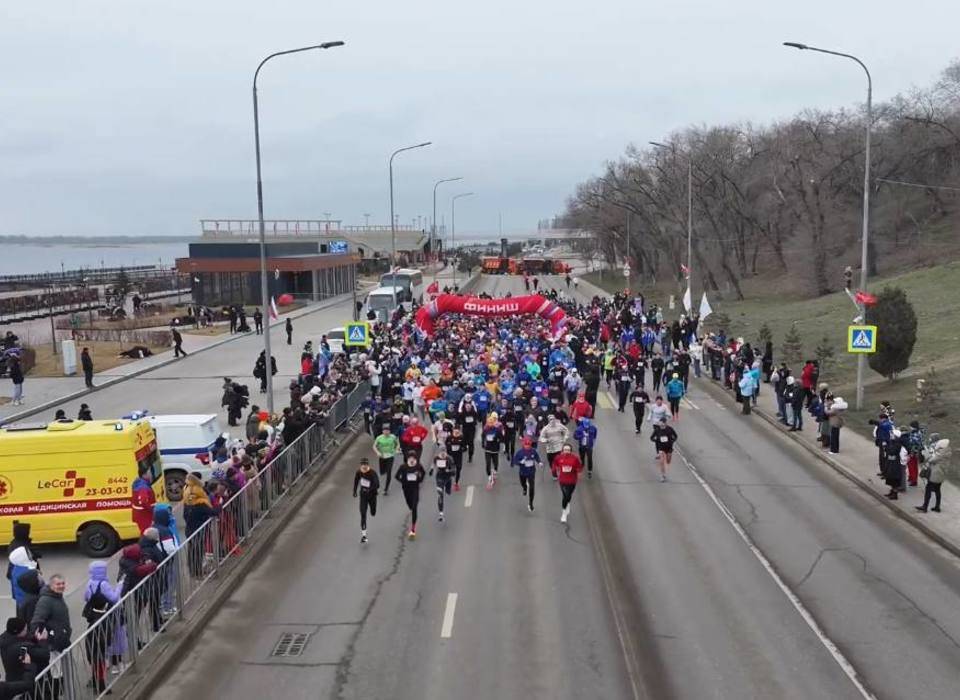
point(511, 393)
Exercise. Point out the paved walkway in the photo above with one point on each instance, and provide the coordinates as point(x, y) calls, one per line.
point(858, 462)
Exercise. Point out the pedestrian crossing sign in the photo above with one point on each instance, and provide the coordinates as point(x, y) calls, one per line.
point(862, 339)
point(357, 334)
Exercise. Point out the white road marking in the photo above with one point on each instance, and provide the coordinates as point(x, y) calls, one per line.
point(446, 630)
point(691, 403)
point(468, 500)
point(828, 643)
point(613, 402)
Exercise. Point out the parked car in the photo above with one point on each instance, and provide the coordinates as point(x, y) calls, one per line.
point(186, 443)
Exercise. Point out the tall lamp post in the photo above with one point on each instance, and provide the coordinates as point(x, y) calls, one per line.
point(433, 222)
point(264, 291)
point(689, 218)
point(393, 220)
point(865, 235)
point(453, 227)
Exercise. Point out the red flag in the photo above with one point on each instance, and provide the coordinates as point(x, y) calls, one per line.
point(865, 298)
point(434, 288)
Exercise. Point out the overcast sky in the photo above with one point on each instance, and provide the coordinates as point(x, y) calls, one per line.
point(121, 116)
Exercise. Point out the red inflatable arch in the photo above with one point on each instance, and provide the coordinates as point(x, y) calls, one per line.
point(474, 306)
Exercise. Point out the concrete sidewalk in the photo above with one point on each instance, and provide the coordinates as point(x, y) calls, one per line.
point(858, 462)
point(44, 393)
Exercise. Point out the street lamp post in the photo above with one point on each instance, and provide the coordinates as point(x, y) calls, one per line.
point(433, 222)
point(264, 291)
point(865, 234)
point(689, 218)
point(453, 228)
point(393, 220)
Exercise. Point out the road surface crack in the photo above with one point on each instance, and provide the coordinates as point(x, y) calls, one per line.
point(753, 509)
point(816, 562)
point(344, 666)
point(910, 602)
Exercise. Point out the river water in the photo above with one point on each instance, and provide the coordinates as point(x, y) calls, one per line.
point(29, 258)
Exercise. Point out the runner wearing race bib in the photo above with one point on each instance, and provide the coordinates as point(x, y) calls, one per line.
point(566, 468)
point(410, 475)
point(366, 483)
point(527, 459)
point(663, 438)
point(444, 468)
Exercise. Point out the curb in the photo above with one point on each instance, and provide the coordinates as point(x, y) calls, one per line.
point(183, 635)
point(866, 486)
point(111, 381)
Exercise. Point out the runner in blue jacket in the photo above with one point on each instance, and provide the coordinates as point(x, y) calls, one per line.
point(675, 392)
point(528, 459)
point(586, 437)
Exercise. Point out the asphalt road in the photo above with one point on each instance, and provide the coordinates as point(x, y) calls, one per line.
point(754, 572)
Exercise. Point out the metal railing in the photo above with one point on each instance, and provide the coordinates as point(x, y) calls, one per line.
point(291, 227)
point(113, 645)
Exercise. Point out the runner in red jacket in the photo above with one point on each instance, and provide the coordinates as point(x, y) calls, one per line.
point(413, 437)
point(566, 467)
point(580, 408)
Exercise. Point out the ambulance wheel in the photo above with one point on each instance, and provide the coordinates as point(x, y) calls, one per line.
point(98, 540)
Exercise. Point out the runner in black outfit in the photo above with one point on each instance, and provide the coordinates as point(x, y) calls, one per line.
point(454, 445)
point(410, 475)
point(467, 419)
point(663, 437)
point(444, 468)
point(368, 483)
point(639, 399)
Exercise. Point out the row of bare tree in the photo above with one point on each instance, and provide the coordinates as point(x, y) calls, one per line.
point(784, 199)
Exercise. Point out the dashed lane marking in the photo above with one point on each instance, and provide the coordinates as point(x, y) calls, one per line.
point(468, 499)
point(828, 643)
point(446, 630)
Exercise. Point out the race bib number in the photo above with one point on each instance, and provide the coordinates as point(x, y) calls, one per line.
point(441, 464)
point(468, 419)
point(510, 424)
point(585, 441)
point(412, 476)
point(637, 399)
point(398, 416)
point(664, 438)
point(491, 437)
point(528, 462)
point(625, 378)
point(365, 483)
point(454, 448)
point(566, 469)
point(416, 439)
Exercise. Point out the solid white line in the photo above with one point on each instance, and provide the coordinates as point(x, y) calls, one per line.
point(692, 404)
point(828, 643)
point(446, 630)
point(468, 501)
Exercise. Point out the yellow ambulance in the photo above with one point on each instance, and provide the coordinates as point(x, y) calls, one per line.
point(71, 480)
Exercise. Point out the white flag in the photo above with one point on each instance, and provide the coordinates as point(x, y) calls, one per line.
point(705, 309)
point(687, 301)
point(273, 309)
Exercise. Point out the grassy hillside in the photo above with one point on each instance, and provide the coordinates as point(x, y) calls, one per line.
point(935, 295)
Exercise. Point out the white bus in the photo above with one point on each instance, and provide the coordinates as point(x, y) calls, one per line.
point(383, 301)
point(410, 280)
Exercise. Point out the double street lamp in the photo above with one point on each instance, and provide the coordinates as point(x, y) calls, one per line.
point(264, 290)
point(433, 226)
point(453, 227)
point(393, 219)
point(862, 359)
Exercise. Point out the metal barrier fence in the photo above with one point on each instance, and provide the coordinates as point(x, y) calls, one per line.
point(92, 665)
